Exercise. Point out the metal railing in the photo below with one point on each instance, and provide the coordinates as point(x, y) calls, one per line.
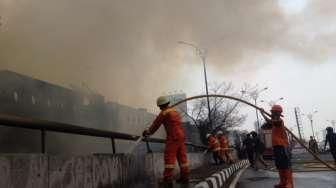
point(44, 126)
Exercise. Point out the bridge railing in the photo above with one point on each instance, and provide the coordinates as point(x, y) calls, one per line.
point(44, 126)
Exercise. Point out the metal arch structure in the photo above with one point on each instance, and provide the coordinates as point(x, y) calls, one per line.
point(262, 110)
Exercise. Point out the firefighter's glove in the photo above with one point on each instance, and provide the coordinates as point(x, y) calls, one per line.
point(145, 133)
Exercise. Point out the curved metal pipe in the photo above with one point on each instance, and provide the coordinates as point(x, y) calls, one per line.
point(262, 110)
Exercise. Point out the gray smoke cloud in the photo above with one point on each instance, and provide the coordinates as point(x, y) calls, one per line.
point(128, 51)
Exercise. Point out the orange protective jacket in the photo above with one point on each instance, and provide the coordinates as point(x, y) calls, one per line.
point(172, 122)
point(224, 142)
point(279, 134)
point(213, 144)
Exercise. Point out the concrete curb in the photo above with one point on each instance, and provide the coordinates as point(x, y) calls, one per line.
point(218, 179)
point(237, 177)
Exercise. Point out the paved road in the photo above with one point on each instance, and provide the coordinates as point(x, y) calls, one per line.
point(305, 162)
point(266, 179)
point(296, 157)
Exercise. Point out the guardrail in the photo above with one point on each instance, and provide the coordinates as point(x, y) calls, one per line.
point(44, 126)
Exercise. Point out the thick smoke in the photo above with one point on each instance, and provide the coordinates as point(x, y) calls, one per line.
point(127, 49)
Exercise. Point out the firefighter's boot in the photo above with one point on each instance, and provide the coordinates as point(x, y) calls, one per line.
point(286, 179)
point(168, 178)
point(282, 175)
point(290, 178)
point(184, 179)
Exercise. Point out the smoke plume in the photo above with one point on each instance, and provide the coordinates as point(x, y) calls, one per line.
point(127, 50)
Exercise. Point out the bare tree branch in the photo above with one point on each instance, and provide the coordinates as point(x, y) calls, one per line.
point(223, 113)
point(192, 118)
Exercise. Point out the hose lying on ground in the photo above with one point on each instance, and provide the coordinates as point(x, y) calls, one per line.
point(262, 110)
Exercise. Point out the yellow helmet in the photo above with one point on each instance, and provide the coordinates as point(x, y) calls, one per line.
point(162, 100)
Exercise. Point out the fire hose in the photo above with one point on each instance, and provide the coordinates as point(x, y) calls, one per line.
point(263, 111)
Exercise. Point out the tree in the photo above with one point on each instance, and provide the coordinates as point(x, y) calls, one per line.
point(224, 113)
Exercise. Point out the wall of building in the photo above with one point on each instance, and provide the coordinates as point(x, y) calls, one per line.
point(27, 97)
point(128, 119)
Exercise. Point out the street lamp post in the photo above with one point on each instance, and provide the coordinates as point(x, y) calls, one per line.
point(255, 95)
point(317, 136)
point(310, 118)
point(272, 102)
point(202, 54)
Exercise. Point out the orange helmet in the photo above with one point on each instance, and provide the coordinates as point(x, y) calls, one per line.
point(276, 108)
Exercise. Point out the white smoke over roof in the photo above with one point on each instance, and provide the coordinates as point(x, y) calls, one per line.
point(128, 51)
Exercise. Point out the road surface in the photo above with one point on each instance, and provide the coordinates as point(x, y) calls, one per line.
point(266, 179)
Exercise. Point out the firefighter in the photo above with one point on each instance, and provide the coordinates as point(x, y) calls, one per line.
point(280, 147)
point(249, 149)
point(259, 148)
point(175, 142)
point(313, 144)
point(214, 147)
point(331, 139)
point(224, 148)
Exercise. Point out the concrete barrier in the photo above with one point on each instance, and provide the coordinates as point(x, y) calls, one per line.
point(28, 171)
point(98, 171)
point(93, 171)
point(219, 179)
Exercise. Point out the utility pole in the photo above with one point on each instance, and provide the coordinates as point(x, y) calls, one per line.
point(255, 95)
point(298, 121)
point(257, 114)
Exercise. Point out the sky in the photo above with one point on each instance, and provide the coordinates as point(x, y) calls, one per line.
point(127, 50)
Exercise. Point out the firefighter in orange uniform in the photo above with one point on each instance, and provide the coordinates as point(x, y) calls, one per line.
point(224, 147)
point(175, 142)
point(280, 147)
point(214, 147)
